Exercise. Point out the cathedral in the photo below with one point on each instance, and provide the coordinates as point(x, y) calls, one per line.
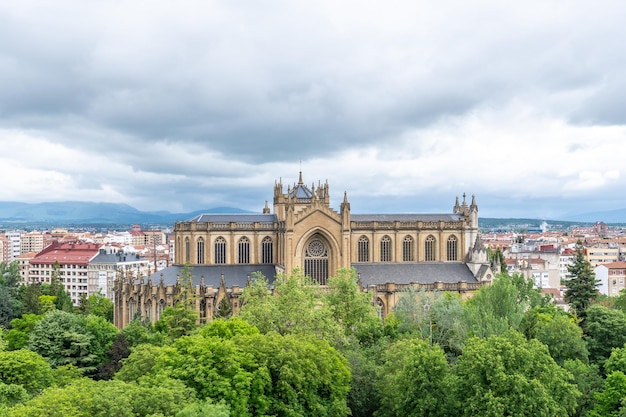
point(389, 252)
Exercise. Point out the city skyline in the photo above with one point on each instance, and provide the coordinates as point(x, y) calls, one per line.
point(404, 106)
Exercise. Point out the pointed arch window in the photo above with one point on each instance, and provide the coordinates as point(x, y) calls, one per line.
point(452, 249)
point(267, 247)
point(385, 249)
point(187, 250)
point(220, 250)
point(316, 260)
point(244, 250)
point(363, 250)
point(408, 249)
point(200, 251)
point(429, 248)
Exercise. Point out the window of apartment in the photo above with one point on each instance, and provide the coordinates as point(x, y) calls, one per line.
point(267, 246)
point(429, 248)
point(407, 249)
point(244, 250)
point(385, 249)
point(363, 249)
point(220, 250)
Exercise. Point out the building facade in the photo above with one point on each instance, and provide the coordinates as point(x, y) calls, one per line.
point(389, 252)
point(611, 277)
point(72, 259)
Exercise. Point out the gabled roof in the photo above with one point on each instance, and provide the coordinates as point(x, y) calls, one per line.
point(408, 272)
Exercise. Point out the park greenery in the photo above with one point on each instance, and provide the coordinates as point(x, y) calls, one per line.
point(296, 349)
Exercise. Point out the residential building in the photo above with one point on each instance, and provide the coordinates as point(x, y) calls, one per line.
point(611, 277)
point(34, 242)
point(601, 255)
point(5, 250)
point(73, 260)
point(23, 263)
point(14, 238)
point(111, 263)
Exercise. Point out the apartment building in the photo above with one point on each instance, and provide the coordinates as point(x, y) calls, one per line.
point(34, 242)
point(73, 259)
point(14, 238)
point(146, 237)
point(111, 263)
point(5, 250)
point(612, 277)
point(23, 263)
point(601, 255)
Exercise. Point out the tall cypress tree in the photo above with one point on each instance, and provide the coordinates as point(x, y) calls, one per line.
point(581, 283)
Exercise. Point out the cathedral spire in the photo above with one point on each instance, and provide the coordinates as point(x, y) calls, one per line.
point(300, 179)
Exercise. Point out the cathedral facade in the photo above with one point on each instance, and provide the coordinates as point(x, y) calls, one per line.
point(389, 252)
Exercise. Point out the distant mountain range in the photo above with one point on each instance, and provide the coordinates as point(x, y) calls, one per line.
point(73, 212)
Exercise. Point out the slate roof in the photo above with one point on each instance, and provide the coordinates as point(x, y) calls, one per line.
point(112, 258)
point(233, 274)
point(408, 272)
point(405, 217)
point(237, 218)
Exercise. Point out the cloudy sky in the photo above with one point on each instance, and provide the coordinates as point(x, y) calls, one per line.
point(192, 104)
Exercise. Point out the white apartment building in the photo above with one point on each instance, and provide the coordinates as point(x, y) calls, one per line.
point(109, 264)
point(14, 238)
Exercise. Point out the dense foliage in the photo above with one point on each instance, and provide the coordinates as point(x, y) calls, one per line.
point(296, 350)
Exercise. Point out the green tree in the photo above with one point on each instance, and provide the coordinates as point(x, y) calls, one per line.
point(224, 309)
point(97, 305)
point(176, 321)
point(588, 381)
point(30, 298)
point(557, 330)
point(507, 375)
point(581, 283)
point(46, 303)
point(617, 361)
point(295, 307)
point(181, 318)
point(254, 374)
point(88, 398)
point(365, 367)
point(610, 401)
point(205, 408)
point(434, 316)
point(604, 330)
point(140, 362)
point(414, 381)
point(352, 308)
point(25, 368)
point(11, 395)
point(63, 300)
point(65, 338)
point(138, 332)
point(497, 308)
point(10, 300)
point(17, 337)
